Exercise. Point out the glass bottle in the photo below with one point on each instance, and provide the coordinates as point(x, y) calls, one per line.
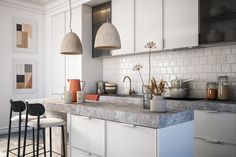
point(223, 88)
point(211, 90)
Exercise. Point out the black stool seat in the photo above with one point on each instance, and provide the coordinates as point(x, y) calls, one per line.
point(47, 122)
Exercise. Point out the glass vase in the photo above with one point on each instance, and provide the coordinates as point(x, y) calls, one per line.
point(147, 96)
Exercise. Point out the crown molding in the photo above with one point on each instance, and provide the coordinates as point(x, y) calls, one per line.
point(36, 8)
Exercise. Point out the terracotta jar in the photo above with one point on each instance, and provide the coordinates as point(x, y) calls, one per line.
point(74, 86)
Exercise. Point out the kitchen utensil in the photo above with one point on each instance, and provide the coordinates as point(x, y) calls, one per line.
point(179, 83)
point(110, 88)
point(179, 93)
point(100, 87)
point(66, 97)
point(80, 96)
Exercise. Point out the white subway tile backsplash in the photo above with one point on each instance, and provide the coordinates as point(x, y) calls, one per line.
point(201, 64)
point(217, 51)
point(226, 50)
point(208, 68)
point(226, 67)
point(211, 59)
point(233, 67)
point(233, 49)
point(208, 52)
point(203, 60)
point(199, 52)
point(199, 68)
point(216, 68)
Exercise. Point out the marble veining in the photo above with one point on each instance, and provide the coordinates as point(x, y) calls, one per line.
point(124, 113)
point(129, 110)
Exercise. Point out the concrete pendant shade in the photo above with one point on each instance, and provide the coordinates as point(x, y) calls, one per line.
point(71, 44)
point(107, 37)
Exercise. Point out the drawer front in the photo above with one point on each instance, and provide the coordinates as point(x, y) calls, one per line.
point(218, 126)
point(204, 148)
point(88, 134)
point(78, 153)
point(125, 140)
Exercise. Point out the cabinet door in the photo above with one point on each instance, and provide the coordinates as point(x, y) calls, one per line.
point(205, 148)
point(88, 134)
point(180, 23)
point(123, 140)
point(123, 19)
point(148, 24)
point(217, 126)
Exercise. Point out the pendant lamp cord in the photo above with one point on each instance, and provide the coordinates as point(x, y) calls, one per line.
point(70, 14)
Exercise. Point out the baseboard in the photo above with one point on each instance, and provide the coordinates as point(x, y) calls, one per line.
point(13, 129)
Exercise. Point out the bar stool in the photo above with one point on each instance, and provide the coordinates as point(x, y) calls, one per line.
point(18, 107)
point(38, 109)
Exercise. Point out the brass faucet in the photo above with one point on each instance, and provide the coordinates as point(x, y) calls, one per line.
point(131, 92)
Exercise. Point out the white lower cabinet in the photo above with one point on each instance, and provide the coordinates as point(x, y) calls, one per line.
point(206, 148)
point(215, 134)
point(124, 140)
point(99, 138)
point(88, 134)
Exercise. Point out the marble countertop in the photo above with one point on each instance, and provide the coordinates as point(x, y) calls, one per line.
point(128, 110)
point(194, 104)
point(125, 113)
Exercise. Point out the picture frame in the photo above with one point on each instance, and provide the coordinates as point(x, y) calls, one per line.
point(24, 76)
point(24, 35)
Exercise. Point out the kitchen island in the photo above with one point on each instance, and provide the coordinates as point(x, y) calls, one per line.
point(115, 129)
point(118, 126)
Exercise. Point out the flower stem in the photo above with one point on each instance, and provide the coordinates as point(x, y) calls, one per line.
point(140, 76)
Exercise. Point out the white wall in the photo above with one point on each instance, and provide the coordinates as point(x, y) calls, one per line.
point(7, 55)
point(82, 67)
point(203, 65)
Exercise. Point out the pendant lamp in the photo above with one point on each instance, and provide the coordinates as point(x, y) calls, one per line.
point(71, 44)
point(107, 37)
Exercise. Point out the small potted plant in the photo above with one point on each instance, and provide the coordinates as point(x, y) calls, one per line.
point(157, 103)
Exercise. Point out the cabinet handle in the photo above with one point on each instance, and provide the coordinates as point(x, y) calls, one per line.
point(129, 125)
point(86, 153)
point(210, 111)
point(84, 117)
point(213, 141)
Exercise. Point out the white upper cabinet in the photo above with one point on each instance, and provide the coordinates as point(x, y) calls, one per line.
point(180, 23)
point(123, 19)
point(148, 24)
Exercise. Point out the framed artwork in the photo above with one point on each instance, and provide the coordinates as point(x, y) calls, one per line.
point(24, 35)
point(24, 76)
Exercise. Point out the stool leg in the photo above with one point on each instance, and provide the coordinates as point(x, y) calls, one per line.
point(19, 134)
point(50, 140)
point(9, 134)
point(63, 141)
point(44, 143)
point(25, 135)
point(33, 142)
point(38, 142)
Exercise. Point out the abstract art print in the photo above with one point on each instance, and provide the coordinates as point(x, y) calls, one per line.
point(24, 35)
point(24, 74)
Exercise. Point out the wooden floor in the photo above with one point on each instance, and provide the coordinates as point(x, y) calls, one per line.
point(14, 143)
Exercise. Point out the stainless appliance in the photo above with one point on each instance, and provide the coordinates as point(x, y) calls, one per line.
point(100, 87)
point(110, 88)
